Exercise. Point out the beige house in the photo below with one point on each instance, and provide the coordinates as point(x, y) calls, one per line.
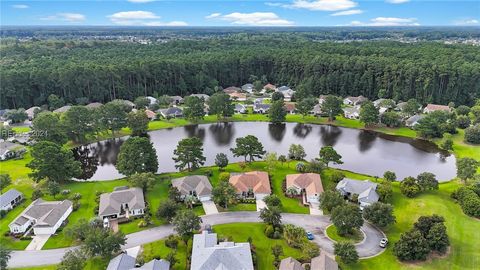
point(251, 184)
point(307, 184)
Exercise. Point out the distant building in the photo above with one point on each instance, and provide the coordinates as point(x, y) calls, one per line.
point(172, 112)
point(63, 109)
point(232, 89)
point(194, 185)
point(317, 110)
point(150, 114)
point(10, 199)
point(351, 112)
point(269, 87)
point(45, 217)
point(251, 184)
point(240, 108)
point(203, 97)
point(287, 92)
point(176, 100)
point(208, 255)
point(31, 112)
point(413, 120)
point(94, 105)
point(354, 100)
point(248, 87)
point(435, 107)
point(365, 190)
point(152, 100)
point(238, 96)
point(261, 108)
point(123, 202)
point(290, 108)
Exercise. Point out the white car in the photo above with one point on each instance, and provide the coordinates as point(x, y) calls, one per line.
point(383, 243)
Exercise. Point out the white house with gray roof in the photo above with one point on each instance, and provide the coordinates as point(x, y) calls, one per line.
point(122, 202)
point(365, 190)
point(207, 254)
point(10, 199)
point(45, 217)
point(172, 112)
point(127, 262)
point(194, 185)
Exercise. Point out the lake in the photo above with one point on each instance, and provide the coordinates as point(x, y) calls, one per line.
point(363, 151)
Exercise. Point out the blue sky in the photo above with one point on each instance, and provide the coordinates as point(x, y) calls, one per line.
point(241, 13)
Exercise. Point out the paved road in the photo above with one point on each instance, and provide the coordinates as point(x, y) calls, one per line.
point(315, 224)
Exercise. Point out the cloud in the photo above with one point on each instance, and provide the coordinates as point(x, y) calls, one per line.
point(466, 22)
point(387, 21)
point(322, 5)
point(141, 18)
point(66, 17)
point(347, 12)
point(213, 15)
point(397, 1)
point(20, 6)
point(253, 19)
point(140, 1)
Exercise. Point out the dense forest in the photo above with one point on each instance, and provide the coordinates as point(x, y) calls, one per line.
point(107, 70)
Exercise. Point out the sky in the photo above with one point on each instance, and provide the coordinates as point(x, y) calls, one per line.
point(242, 13)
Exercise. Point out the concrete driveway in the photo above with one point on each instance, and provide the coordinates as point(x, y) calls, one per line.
point(209, 207)
point(315, 209)
point(315, 224)
point(38, 241)
point(260, 204)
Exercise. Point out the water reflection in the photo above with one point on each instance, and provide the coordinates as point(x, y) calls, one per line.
point(276, 131)
point(222, 133)
point(302, 130)
point(195, 131)
point(88, 161)
point(330, 135)
point(366, 140)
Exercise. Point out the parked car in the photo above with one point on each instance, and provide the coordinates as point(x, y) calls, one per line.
point(310, 236)
point(383, 242)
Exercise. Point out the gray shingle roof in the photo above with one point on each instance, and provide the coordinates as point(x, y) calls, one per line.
point(365, 189)
point(7, 197)
point(9, 146)
point(111, 203)
point(290, 264)
point(323, 262)
point(197, 183)
point(121, 262)
point(155, 265)
point(47, 213)
point(172, 111)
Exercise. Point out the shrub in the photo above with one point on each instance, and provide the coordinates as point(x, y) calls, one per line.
point(463, 121)
point(37, 193)
point(390, 176)
point(3, 213)
point(310, 250)
point(409, 187)
point(472, 134)
point(315, 166)
point(346, 251)
point(411, 246)
point(269, 231)
point(209, 173)
point(142, 224)
point(224, 176)
point(300, 167)
point(380, 214)
point(468, 200)
point(171, 242)
point(337, 176)
point(65, 192)
point(272, 200)
point(76, 196)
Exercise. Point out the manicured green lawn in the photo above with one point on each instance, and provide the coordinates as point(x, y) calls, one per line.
point(158, 250)
point(239, 207)
point(46, 267)
point(21, 129)
point(356, 237)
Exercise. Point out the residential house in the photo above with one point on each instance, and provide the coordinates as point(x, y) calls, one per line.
point(31, 112)
point(354, 100)
point(290, 108)
point(123, 202)
point(130, 104)
point(400, 106)
point(152, 100)
point(321, 99)
point(317, 110)
point(435, 107)
point(251, 184)
point(269, 87)
point(413, 120)
point(240, 108)
point(127, 262)
point(307, 184)
point(248, 87)
point(150, 114)
point(365, 191)
point(10, 150)
point(232, 89)
point(45, 217)
point(324, 262)
point(194, 185)
point(176, 100)
point(287, 92)
point(10, 199)
point(63, 109)
point(204, 97)
point(238, 96)
point(207, 254)
point(351, 112)
point(172, 112)
point(290, 264)
point(261, 108)
point(94, 105)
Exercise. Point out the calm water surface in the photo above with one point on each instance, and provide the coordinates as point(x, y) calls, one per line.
point(363, 151)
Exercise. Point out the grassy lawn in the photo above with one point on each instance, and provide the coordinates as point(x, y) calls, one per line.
point(355, 237)
point(21, 129)
point(239, 207)
point(158, 250)
point(239, 232)
point(46, 267)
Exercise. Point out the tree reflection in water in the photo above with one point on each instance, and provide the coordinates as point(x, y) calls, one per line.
point(302, 130)
point(330, 135)
point(222, 133)
point(195, 131)
point(277, 131)
point(88, 161)
point(365, 140)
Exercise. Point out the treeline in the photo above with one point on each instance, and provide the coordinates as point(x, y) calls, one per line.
point(103, 71)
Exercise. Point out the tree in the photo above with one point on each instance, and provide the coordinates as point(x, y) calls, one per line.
point(167, 210)
point(277, 112)
point(427, 181)
point(369, 114)
point(425, 223)
point(221, 160)
point(113, 115)
point(104, 242)
point(224, 194)
point(315, 166)
point(390, 119)
point(346, 218)
point(282, 159)
point(328, 154)
point(409, 187)
point(294, 235)
point(271, 216)
point(137, 155)
point(194, 108)
point(411, 108)
point(310, 250)
point(337, 176)
point(138, 122)
point(189, 153)
point(331, 199)
point(466, 168)
point(437, 238)
point(271, 160)
point(174, 194)
point(73, 260)
point(390, 176)
point(472, 134)
point(5, 180)
point(141, 102)
point(145, 181)
point(331, 106)
point(411, 246)
point(435, 124)
point(380, 214)
point(220, 104)
point(447, 144)
point(185, 223)
point(171, 258)
point(277, 96)
point(346, 251)
point(78, 122)
point(55, 102)
point(51, 161)
point(277, 251)
point(296, 152)
point(53, 188)
point(272, 201)
point(384, 190)
point(305, 106)
point(462, 110)
point(16, 116)
point(463, 121)
point(37, 193)
point(6, 132)
point(248, 146)
point(4, 257)
point(46, 126)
